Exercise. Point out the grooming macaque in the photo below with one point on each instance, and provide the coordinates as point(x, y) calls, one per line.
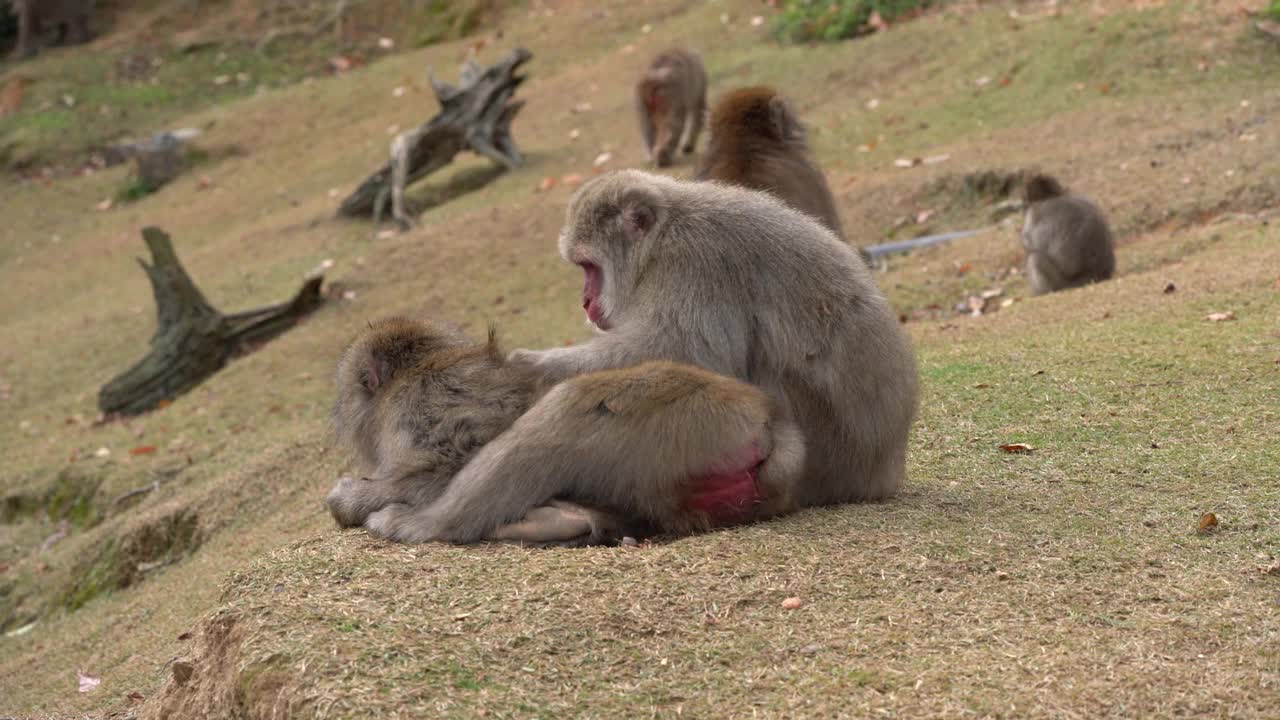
point(1066, 236)
point(671, 100)
point(726, 279)
point(50, 21)
point(416, 400)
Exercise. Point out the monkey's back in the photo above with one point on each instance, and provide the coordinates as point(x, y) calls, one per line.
point(820, 331)
point(1072, 233)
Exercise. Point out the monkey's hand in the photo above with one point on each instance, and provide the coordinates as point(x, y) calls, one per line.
point(353, 499)
point(401, 523)
point(554, 365)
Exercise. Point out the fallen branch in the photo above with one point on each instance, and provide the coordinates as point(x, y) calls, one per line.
point(475, 115)
point(193, 340)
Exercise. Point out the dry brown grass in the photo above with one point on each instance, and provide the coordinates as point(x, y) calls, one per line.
point(1067, 582)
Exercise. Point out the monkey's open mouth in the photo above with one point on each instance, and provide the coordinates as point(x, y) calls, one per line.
point(591, 294)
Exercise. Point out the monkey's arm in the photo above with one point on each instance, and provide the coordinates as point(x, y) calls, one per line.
point(620, 348)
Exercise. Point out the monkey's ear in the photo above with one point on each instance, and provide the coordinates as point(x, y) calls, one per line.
point(638, 220)
point(783, 120)
point(376, 373)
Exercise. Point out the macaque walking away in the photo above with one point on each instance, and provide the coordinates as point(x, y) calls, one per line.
point(671, 100)
point(418, 401)
point(758, 142)
point(806, 397)
point(1066, 236)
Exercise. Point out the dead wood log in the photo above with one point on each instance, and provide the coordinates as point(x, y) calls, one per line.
point(475, 115)
point(193, 340)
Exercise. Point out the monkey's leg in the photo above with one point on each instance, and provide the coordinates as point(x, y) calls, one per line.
point(647, 129)
point(645, 442)
point(671, 139)
point(695, 126)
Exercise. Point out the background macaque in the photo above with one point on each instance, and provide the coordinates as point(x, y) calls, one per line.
point(727, 279)
point(1066, 236)
point(758, 142)
point(416, 400)
point(51, 21)
point(671, 97)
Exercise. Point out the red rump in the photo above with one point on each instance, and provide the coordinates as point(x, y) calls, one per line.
point(728, 492)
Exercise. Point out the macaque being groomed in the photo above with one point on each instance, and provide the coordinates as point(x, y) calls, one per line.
point(671, 100)
point(1066, 237)
point(418, 401)
point(806, 397)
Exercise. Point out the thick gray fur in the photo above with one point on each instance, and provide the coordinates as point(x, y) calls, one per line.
point(1068, 244)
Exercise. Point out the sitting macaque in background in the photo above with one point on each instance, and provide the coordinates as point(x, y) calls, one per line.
point(671, 97)
point(758, 142)
point(1066, 236)
point(417, 401)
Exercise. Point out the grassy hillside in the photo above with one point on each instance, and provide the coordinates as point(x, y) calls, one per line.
point(1068, 581)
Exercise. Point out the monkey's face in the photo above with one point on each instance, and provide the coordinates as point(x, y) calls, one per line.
point(611, 223)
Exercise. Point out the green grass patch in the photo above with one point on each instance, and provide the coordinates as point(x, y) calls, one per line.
point(828, 21)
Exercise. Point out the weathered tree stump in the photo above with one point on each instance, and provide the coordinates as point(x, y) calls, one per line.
point(476, 115)
point(193, 340)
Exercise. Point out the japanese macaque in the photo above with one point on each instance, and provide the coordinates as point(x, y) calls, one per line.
point(1066, 236)
point(50, 21)
point(415, 401)
point(671, 100)
point(806, 395)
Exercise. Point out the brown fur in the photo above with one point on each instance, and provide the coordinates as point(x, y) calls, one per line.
point(697, 274)
point(1066, 236)
point(671, 96)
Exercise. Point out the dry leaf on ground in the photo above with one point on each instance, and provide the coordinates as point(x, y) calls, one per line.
point(1016, 448)
point(1208, 523)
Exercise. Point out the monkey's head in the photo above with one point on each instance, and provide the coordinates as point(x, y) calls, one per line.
point(756, 112)
point(372, 361)
point(610, 228)
point(1041, 187)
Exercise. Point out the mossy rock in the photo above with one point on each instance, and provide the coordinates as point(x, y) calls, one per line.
point(121, 562)
point(72, 497)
